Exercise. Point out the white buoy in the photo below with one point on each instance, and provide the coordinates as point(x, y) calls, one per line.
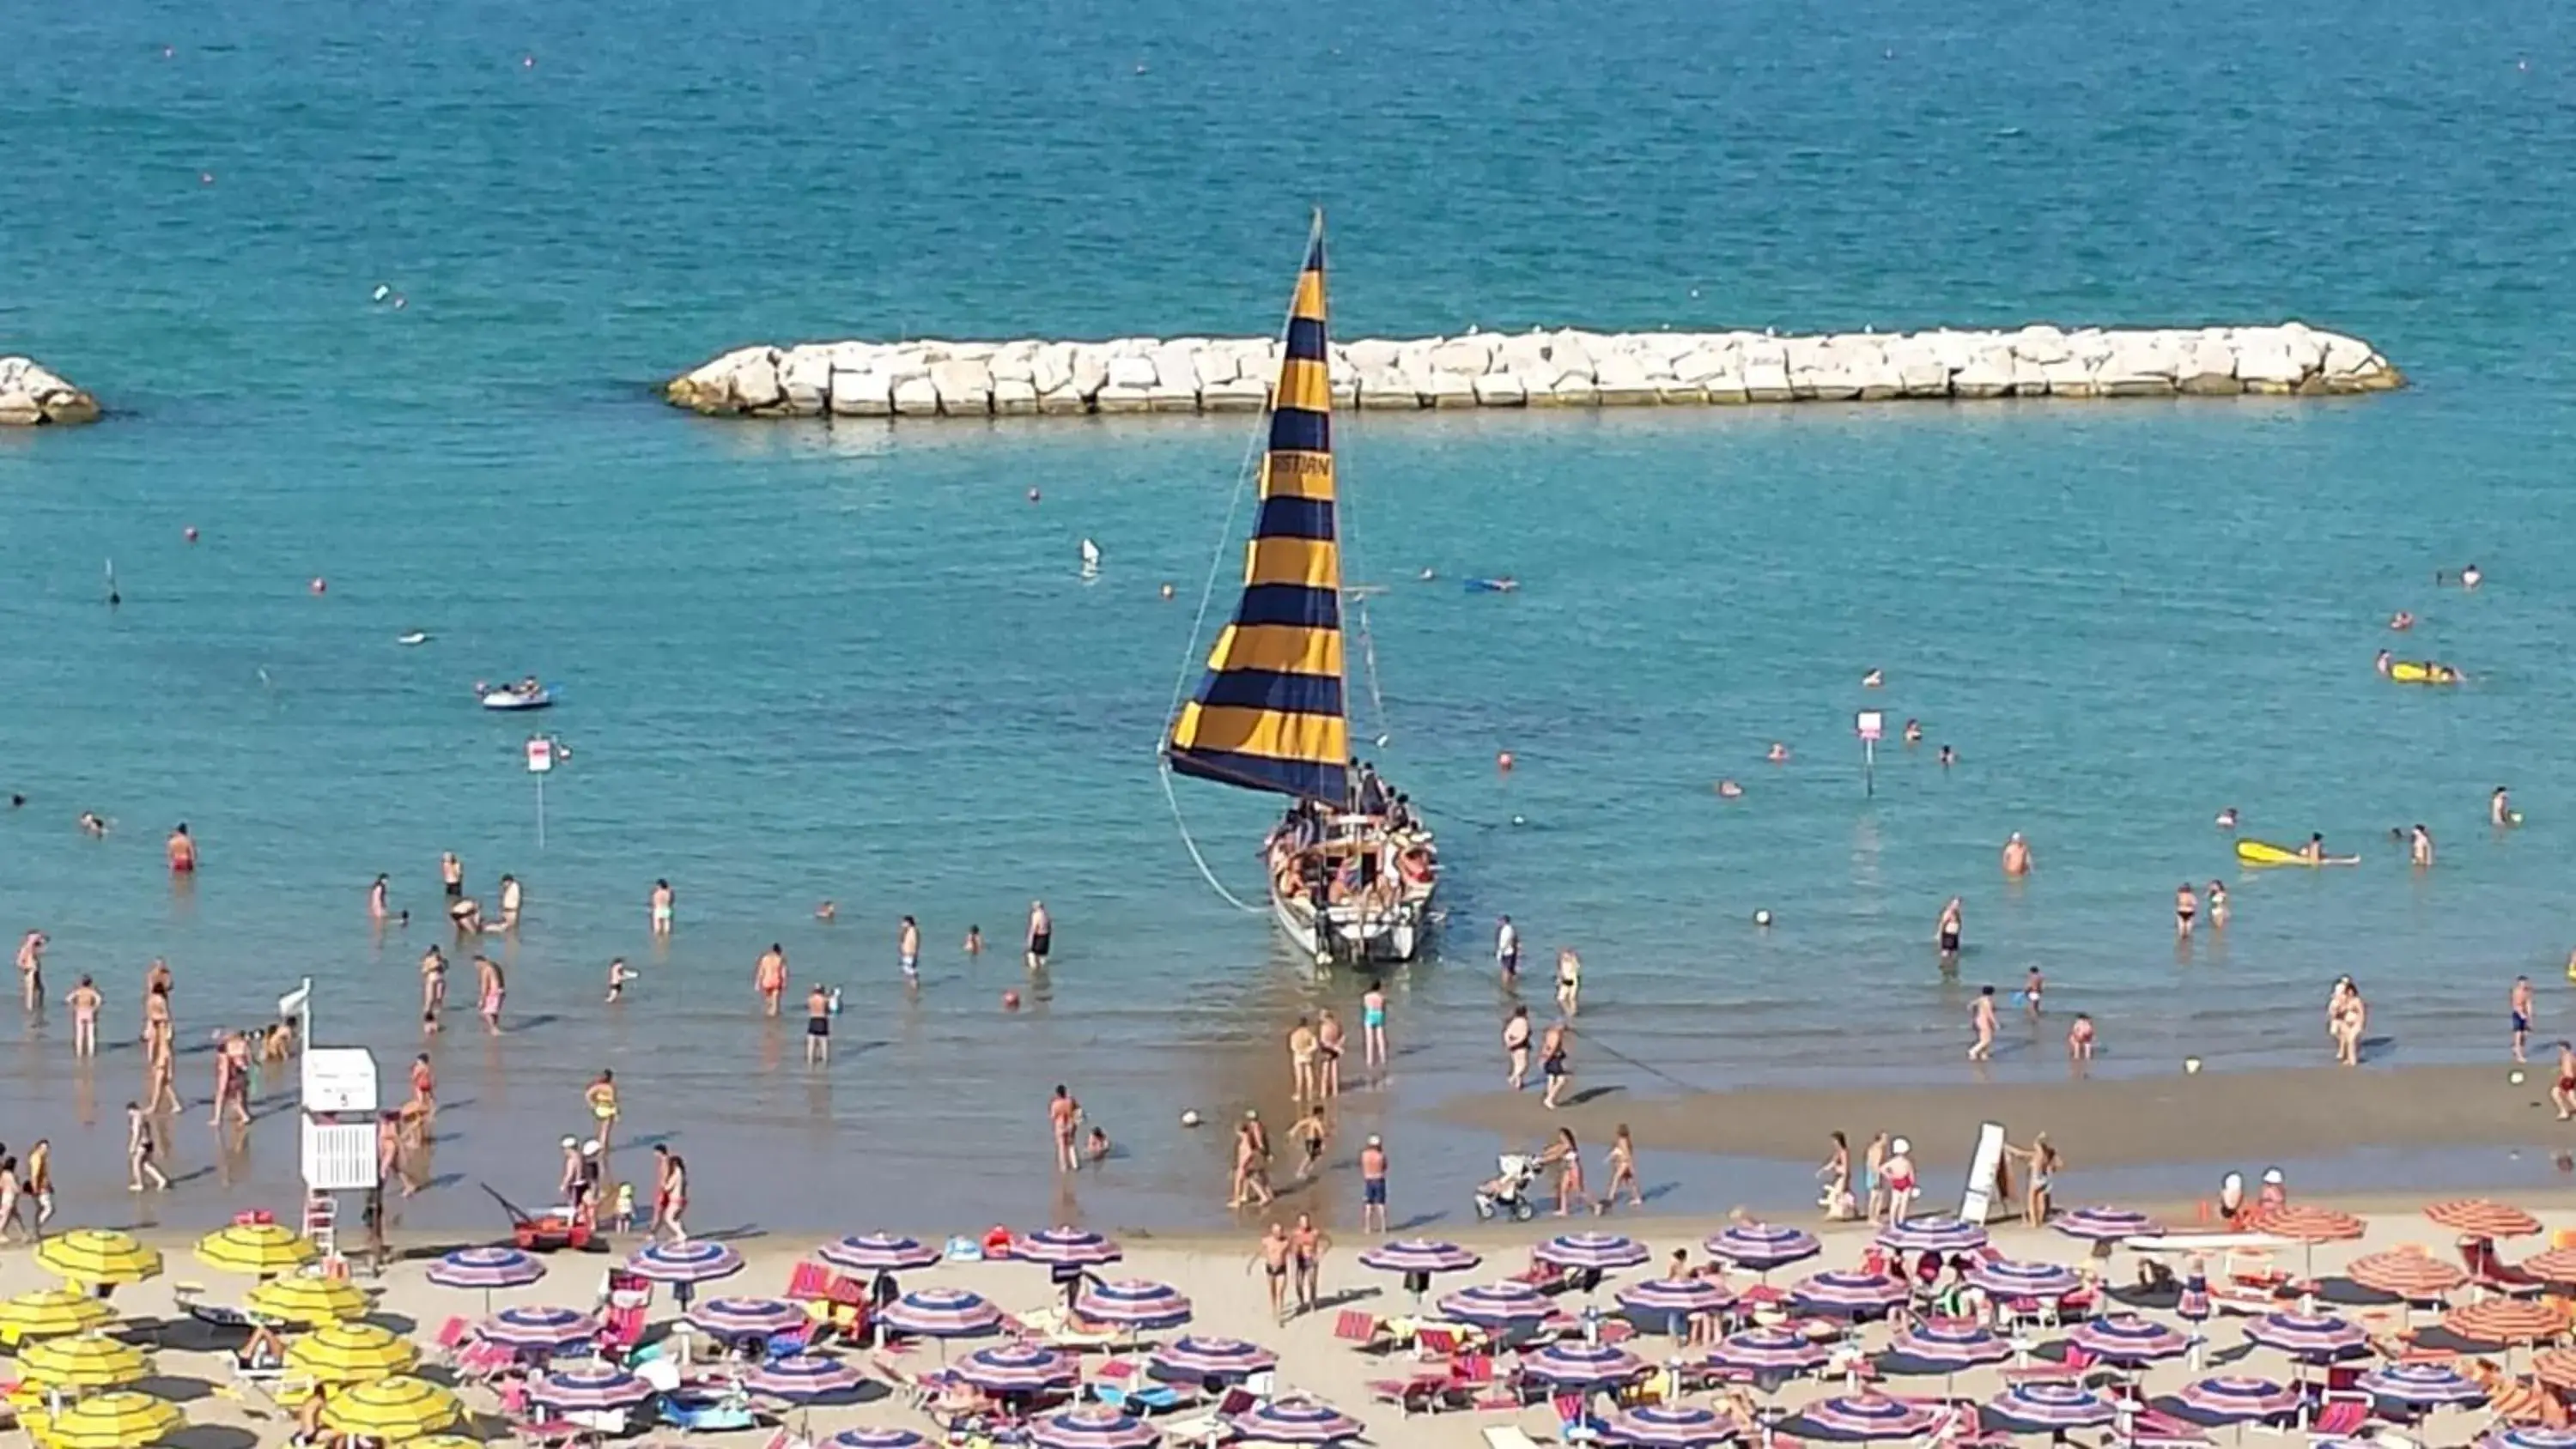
point(1190, 1117)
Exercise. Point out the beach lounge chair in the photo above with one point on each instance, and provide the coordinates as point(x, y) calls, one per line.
point(1119, 1383)
point(1508, 1436)
point(620, 1330)
point(2492, 1273)
point(1574, 1421)
point(191, 1300)
point(2340, 1415)
point(1473, 1377)
point(2151, 1429)
point(451, 1338)
point(1211, 1427)
point(1362, 1328)
point(1420, 1393)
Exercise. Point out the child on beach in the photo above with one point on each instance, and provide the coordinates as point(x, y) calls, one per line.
point(1311, 1133)
point(624, 1219)
point(2079, 1039)
point(618, 976)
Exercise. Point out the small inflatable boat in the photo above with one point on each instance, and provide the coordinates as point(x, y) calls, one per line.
point(510, 696)
point(1504, 585)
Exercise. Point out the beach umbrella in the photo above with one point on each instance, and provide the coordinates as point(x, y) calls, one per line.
point(695, 1261)
point(443, 1441)
point(2422, 1384)
point(120, 1420)
point(51, 1313)
point(392, 1410)
point(1496, 1305)
point(1135, 1303)
point(731, 1318)
point(2317, 1337)
point(1767, 1351)
point(306, 1301)
point(2238, 1398)
point(95, 1255)
point(2106, 1224)
point(1843, 1290)
point(2558, 1265)
point(1423, 1256)
point(1296, 1421)
point(2407, 1273)
point(1933, 1233)
point(1017, 1368)
point(2009, 1280)
point(2043, 1406)
point(2476, 1217)
point(2530, 1438)
point(1869, 1416)
point(1574, 1364)
point(878, 1253)
point(1093, 1426)
point(589, 1388)
point(2527, 1405)
point(1196, 1359)
point(2127, 1339)
point(865, 1438)
point(942, 1313)
point(1677, 1297)
point(487, 1269)
point(532, 1329)
point(1666, 1426)
point(2556, 1368)
point(84, 1363)
point(1763, 1246)
point(351, 1353)
point(2506, 1321)
point(803, 1378)
point(2308, 1226)
point(1065, 1248)
point(1948, 1345)
point(1596, 1252)
point(266, 1249)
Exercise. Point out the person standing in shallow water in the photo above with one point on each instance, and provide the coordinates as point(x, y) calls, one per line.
point(1951, 930)
point(1373, 1025)
point(818, 1026)
point(1041, 936)
point(769, 978)
point(659, 907)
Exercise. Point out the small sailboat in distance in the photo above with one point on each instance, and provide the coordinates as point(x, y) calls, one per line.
point(1352, 868)
point(1090, 559)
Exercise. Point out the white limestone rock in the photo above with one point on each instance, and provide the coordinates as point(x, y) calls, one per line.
point(1122, 398)
point(1501, 390)
point(1241, 395)
point(1988, 372)
point(1051, 368)
point(1443, 389)
point(805, 380)
point(1132, 372)
point(1014, 396)
point(32, 395)
point(2208, 367)
point(1090, 369)
point(1766, 372)
point(916, 397)
point(865, 393)
point(965, 388)
point(1465, 356)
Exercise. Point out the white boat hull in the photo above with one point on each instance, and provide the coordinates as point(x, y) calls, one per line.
point(1346, 933)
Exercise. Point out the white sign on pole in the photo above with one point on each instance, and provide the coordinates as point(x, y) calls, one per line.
point(1871, 724)
point(1979, 1197)
point(541, 755)
point(339, 1079)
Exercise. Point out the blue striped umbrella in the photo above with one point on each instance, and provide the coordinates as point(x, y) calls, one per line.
point(2314, 1336)
point(1868, 1416)
point(2009, 1280)
point(1133, 1303)
point(1676, 1295)
point(1767, 1351)
point(1763, 1246)
point(1843, 1290)
point(1496, 1305)
point(2127, 1339)
point(1017, 1368)
point(746, 1317)
point(1196, 1359)
point(1947, 1345)
point(2530, 1438)
point(1066, 1247)
point(942, 1313)
point(538, 1330)
point(1666, 1426)
point(1575, 1364)
point(2421, 1383)
point(878, 1253)
point(1933, 1233)
point(1301, 1421)
point(804, 1378)
point(698, 1261)
point(1093, 1426)
point(2042, 1406)
point(2106, 1224)
point(1600, 1252)
point(876, 1439)
point(486, 1268)
point(1419, 1255)
point(589, 1388)
point(2238, 1398)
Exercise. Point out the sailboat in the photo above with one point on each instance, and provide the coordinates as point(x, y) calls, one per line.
point(1351, 869)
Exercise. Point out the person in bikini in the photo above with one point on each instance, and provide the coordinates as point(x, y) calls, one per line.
point(2563, 1095)
point(1567, 1159)
point(769, 978)
point(1952, 927)
point(84, 1001)
point(1063, 1115)
point(2186, 909)
point(1373, 1025)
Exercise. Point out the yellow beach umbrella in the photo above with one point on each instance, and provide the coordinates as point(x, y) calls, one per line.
point(85, 1362)
point(392, 1410)
point(307, 1301)
point(263, 1248)
point(443, 1441)
point(96, 1255)
point(51, 1313)
point(350, 1353)
point(121, 1420)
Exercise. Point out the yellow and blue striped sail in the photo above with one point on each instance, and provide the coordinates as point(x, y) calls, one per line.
point(1269, 714)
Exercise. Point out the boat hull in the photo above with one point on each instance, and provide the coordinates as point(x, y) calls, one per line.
point(1345, 934)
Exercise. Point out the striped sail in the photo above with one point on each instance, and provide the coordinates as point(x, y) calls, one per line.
point(1269, 714)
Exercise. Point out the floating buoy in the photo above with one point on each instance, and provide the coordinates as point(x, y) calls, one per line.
point(1503, 761)
point(190, 533)
point(319, 586)
point(1762, 919)
point(527, 62)
point(205, 178)
point(1010, 1001)
point(1167, 591)
point(382, 292)
point(1033, 495)
point(1520, 820)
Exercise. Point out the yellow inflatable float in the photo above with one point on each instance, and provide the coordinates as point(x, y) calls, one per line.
point(2263, 852)
point(2408, 671)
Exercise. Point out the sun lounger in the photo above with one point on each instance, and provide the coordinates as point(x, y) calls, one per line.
point(1120, 1384)
point(1362, 1328)
point(2150, 1429)
point(1212, 1427)
point(1508, 1436)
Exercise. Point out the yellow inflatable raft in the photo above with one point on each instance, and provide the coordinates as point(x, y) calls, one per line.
point(2408, 671)
point(2263, 852)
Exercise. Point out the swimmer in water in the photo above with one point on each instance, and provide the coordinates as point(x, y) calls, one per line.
point(974, 941)
point(2469, 577)
point(1981, 1016)
point(618, 976)
point(1779, 754)
point(1948, 932)
point(827, 912)
point(2315, 850)
point(2419, 848)
point(2401, 621)
point(182, 850)
point(2032, 987)
point(2500, 812)
point(2227, 818)
point(2381, 663)
point(1729, 790)
point(2079, 1039)
point(376, 898)
point(907, 950)
point(2016, 856)
point(1873, 679)
point(2218, 905)
point(2186, 909)
point(1948, 757)
point(1914, 732)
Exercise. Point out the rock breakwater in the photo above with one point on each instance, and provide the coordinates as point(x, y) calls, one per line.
point(1561, 368)
point(30, 395)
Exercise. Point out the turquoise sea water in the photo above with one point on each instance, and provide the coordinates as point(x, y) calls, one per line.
point(802, 662)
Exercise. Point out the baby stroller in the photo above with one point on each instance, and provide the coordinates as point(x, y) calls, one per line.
point(1507, 1191)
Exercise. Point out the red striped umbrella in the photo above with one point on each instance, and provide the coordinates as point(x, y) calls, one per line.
point(2558, 1265)
point(2506, 1320)
point(2407, 1272)
point(2477, 1217)
point(2556, 1368)
point(2306, 1223)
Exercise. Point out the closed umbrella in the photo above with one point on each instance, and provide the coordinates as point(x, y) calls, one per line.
point(51, 1313)
point(589, 1388)
point(1666, 1426)
point(1496, 1305)
point(1578, 1365)
point(1093, 1426)
point(306, 1301)
point(265, 1249)
point(878, 1253)
point(1301, 1421)
point(1933, 1233)
point(534, 1329)
point(1848, 1291)
point(392, 1410)
point(2008, 1280)
point(1763, 1246)
point(351, 1353)
point(2041, 1406)
point(1136, 1303)
point(2407, 1273)
point(2238, 1398)
point(2106, 1224)
point(2476, 1217)
point(2422, 1384)
point(1862, 1417)
point(1194, 1358)
point(96, 1255)
point(2506, 1321)
point(1017, 1368)
point(120, 1420)
point(83, 1363)
point(2314, 1337)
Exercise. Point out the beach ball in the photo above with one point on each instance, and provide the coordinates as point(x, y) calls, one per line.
point(2514, 1076)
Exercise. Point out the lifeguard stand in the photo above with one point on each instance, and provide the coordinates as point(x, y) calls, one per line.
point(338, 1087)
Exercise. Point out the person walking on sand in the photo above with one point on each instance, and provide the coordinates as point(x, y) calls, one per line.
point(140, 1150)
point(1873, 1177)
point(1623, 1172)
point(1310, 1132)
point(1064, 1116)
point(769, 978)
point(818, 1026)
point(1567, 1158)
point(601, 1098)
point(31, 970)
point(1951, 930)
point(1552, 1062)
point(907, 951)
point(1307, 1245)
point(84, 1001)
point(1981, 1015)
point(1373, 1025)
point(1251, 1165)
point(1569, 981)
point(1301, 1061)
point(40, 1183)
point(2016, 856)
point(1516, 1044)
point(1328, 1053)
point(1901, 1185)
point(1373, 1186)
point(1272, 1257)
point(423, 1107)
point(2520, 1006)
point(1835, 1173)
point(1041, 936)
point(1507, 950)
point(161, 1070)
point(489, 988)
